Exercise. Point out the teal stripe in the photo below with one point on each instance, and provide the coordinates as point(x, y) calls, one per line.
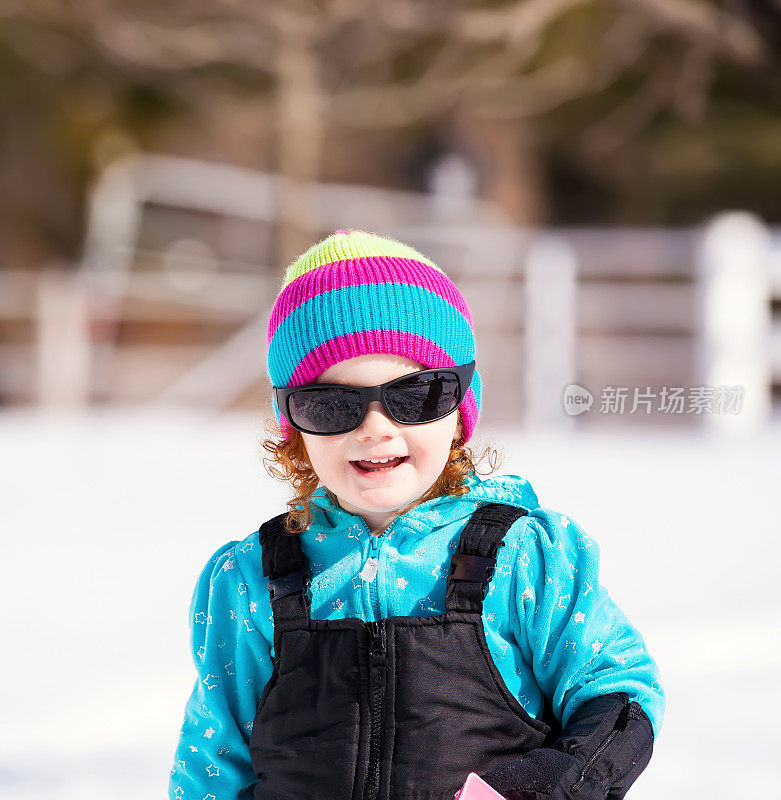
point(372, 307)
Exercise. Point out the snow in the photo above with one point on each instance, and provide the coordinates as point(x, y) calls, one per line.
point(108, 518)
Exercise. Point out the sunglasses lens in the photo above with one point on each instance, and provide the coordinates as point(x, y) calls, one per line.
point(424, 398)
point(325, 410)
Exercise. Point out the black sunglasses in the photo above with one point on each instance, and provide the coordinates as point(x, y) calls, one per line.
point(325, 409)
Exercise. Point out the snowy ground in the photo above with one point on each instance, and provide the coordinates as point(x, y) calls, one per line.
point(108, 519)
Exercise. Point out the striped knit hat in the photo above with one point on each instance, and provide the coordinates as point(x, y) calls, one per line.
point(356, 293)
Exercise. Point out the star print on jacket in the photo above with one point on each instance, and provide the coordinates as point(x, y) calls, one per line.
point(551, 628)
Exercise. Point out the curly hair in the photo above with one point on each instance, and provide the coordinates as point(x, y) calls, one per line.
point(289, 462)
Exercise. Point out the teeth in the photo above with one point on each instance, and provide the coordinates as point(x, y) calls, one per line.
point(378, 460)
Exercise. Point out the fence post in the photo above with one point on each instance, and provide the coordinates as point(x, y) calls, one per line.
point(550, 326)
point(63, 349)
point(734, 300)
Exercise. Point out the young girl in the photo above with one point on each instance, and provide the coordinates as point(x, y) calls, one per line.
point(405, 622)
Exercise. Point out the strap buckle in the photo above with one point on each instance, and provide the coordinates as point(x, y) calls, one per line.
point(476, 569)
point(289, 583)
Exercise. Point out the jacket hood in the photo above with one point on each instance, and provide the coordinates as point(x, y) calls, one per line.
point(511, 489)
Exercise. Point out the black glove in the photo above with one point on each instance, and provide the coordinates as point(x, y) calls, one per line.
point(605, 746)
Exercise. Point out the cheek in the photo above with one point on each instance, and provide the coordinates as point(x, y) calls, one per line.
point(323, 455)
point(432, 446)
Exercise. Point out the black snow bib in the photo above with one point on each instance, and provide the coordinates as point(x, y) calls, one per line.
point(398, 709)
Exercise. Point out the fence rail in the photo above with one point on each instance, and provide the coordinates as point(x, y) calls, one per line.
point(165, 308)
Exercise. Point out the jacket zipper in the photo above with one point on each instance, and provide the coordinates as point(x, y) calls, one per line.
point(377, 669)
point(375, 542)
point(632, 712)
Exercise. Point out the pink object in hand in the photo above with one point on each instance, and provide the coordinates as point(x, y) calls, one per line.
point(475, 788)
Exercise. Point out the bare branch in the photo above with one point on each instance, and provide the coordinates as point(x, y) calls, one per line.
point(707, 24)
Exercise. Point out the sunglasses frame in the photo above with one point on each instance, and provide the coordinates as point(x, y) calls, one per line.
point(282, 394)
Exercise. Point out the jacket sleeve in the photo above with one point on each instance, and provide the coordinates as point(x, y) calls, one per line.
point(233, 664)
point(589, 662)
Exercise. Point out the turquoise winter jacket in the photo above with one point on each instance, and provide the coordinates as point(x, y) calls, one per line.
point(552, 630)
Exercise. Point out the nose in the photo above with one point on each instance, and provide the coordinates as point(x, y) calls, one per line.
point(377, 422)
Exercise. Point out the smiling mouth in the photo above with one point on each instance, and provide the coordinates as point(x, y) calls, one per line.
point(367, 466)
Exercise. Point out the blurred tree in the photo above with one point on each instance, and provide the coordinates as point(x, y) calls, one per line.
point(575, 110)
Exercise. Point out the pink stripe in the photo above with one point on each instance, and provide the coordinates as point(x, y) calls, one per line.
point(358, 271)
point(350, 345)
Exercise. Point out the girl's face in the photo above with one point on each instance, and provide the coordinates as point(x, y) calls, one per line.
point(378, 496)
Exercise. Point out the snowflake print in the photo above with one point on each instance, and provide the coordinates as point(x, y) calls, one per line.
point(524, 560)
point(208, 733)
point(247, 726)
point(337, 604)
point(528, 593)
point(401, 583)
point(578, 616)
point(253, 607)
point(421, 551)
point(564, 522)
point(227, 565)
point(223, 751)
point(320, 536)
point(233, 614)
point(585, 541)
point(503, 569)
point(596, 646)
point(491, 617)
point(193, 748)
point(323, 582)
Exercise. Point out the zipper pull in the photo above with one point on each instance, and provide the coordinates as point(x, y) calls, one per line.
point(377, 646)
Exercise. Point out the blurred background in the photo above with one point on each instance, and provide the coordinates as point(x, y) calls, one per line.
point(601, 179)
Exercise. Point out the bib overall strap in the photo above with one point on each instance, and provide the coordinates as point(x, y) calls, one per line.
point(287, 570)
point(472, 565)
